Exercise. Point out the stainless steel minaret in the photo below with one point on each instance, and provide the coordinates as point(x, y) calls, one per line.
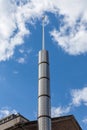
point(44, 105)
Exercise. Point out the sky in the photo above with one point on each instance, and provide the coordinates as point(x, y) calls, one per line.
point(66, 41)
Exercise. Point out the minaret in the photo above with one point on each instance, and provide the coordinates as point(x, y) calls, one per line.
point(44, 106)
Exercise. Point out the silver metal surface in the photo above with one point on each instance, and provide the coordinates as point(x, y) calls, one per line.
point(43, 56)
point(43, 70)
point(44, 123)
point(43, 87)
point(44, 106)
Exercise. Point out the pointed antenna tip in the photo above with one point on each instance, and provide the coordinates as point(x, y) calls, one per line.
point(43, 39)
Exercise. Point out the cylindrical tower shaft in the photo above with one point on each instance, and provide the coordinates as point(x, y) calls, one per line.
point(44, 108)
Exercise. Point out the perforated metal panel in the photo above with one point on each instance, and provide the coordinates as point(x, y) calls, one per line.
point(44, 106)
point(43, 87)
point(44, 112)
point(44, 123)
point(43, 70)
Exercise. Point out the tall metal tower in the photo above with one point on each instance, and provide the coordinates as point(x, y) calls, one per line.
point(44, 105)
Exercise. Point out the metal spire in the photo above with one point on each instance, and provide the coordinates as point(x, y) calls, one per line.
point(43, 36)
point(44, 104)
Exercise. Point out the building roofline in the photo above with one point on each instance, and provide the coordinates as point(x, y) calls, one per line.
point(55, 119)
point(11, 117)
point(63, 118)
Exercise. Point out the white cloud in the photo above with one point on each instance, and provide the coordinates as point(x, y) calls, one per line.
point(21, 60)
point(72, 33)
point(74, 43)
point(79, 96)
point(84, 123)
point(21, 51)
point(84, 120)
point(12, 29)
point(59, 111)
point(6, 111)
point(25, 50)
point(25, 55)
point(14, 16)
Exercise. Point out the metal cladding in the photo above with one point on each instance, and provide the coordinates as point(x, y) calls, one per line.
point(44, 109)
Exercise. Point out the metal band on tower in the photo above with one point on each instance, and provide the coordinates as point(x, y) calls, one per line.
point(44, 106)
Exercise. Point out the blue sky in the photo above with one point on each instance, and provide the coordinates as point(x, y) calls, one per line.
point(66, 41)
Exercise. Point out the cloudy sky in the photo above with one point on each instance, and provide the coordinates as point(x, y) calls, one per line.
point(66, 41)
